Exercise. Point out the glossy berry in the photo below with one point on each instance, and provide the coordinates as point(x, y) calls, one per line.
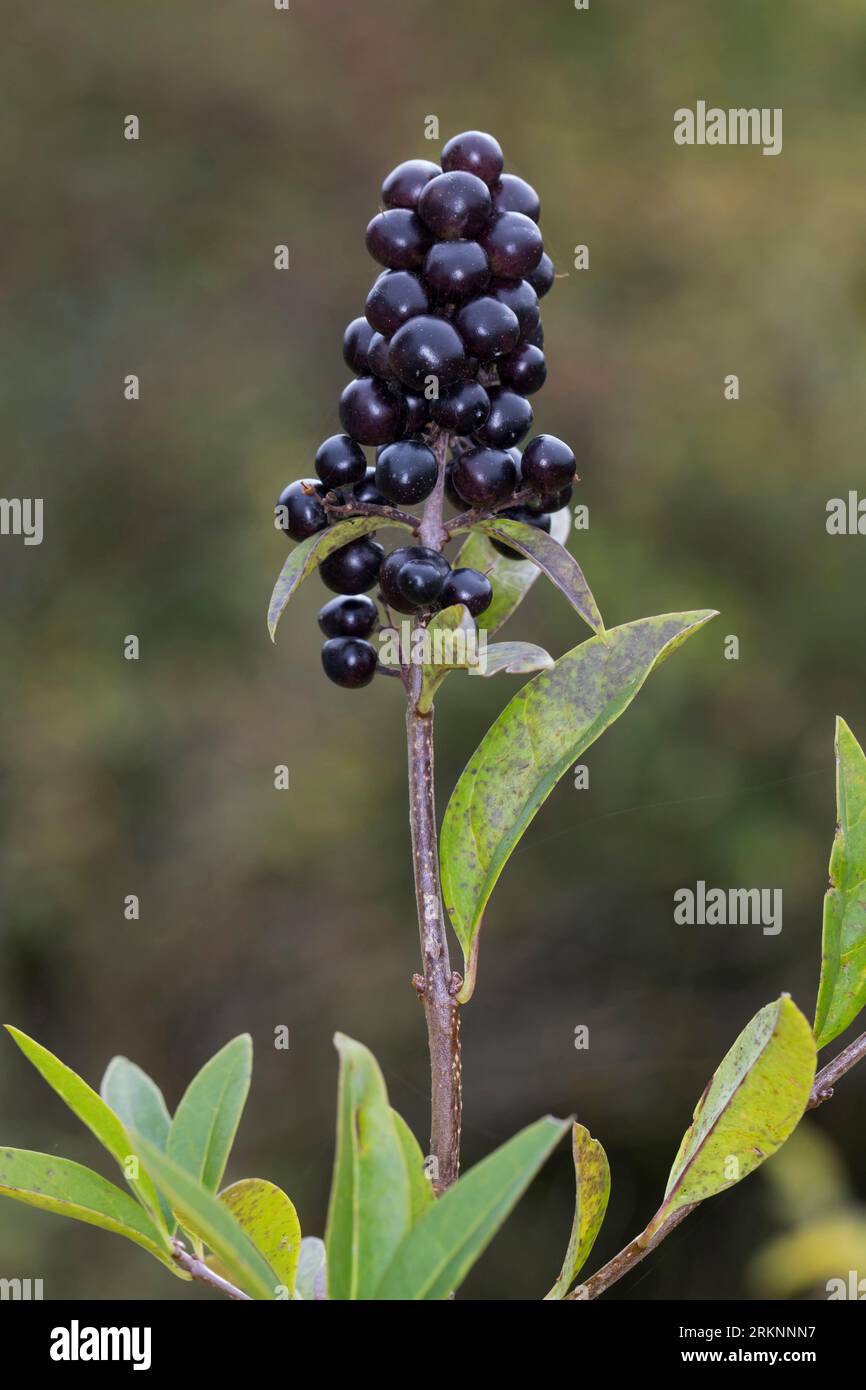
point(353, 568)
point(547, 464)
point(402, 188)
point(524, 370)
point(398, 239)
point(462, 409)
point(482, 477)
point(509, 420)
point(427, 346)
point(367, 491)
point(406, 472)
point(371, 412)
point(349, 661)
point(396, 296)
point(521, 299)
point(340, 461)
point(475, 152)
point(417, 413)
point(356, 340)
point(555, 501)
point(456, 270)
point(378, 357)
point(299, 512)
point(488, 328)
point(450, 491)
point(512, 194)
point(513, 245)
point(541, 521)
point(469, 587)
point(455, 205)
point(536, 337)
point(413, 576)
point(349, 616)
point(542, 277)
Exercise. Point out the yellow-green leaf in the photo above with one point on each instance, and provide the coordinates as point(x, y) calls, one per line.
point(271, 1222)
point(842, 991)
point(511, 578)
point(753, 1102)
point(206, 1121)
point(592, 1176)
point(420, 1187)
point(552, 559)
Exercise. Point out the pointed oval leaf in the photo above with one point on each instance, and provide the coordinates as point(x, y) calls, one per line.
point(67, 1189)
point(515, 658)
point(306, 557)
point(312, 1277)
point(592, 1175)
point(538, 736)
point(552, 559)
point(455, 642)
point(92, 1110)
point(139, 1104)
point(511, 579)
point(421, 1194)
point(200, 1212)
point(755, 1099)
point(371, 1198)
point(271, 1222)
point(439, 1251)
point(206, 1122)
point(842, 991)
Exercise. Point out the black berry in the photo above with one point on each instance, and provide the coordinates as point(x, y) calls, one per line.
point(547, 464)
point(340, 461)
point(488, 328)
point(536, 337)
point(512, 194)
point(299, 511)
point(427, 346)
point(521, 300)
point(524, 370)
point(476, 153)
point(356, 340)
point(367, 491)
point(402, 188)
point(417, 412)
point(349, 616)
point(513, 245)
point(349, 661)
point(541, 521)
point(406, 472)
point(396, 296)
point(542, 277)
point(353, 568)
point(482, 477)
point(456, 270)
point(378, 357)
point(463, 409)
point(414, 576)
point(398, 239)
point(455, 205)
point(509, 420)
point(469, 587)
point(371, 412)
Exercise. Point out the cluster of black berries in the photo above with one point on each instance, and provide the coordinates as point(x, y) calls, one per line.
point(450, 343)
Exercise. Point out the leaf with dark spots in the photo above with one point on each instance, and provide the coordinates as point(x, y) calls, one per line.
point(842, 991)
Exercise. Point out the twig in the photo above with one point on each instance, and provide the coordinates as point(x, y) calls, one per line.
point(351, 509)
point(641, 1246)
point(466, 520)
point(197, 1269)
point(436, 986)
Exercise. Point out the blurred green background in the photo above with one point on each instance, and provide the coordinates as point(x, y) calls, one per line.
point(261, 908)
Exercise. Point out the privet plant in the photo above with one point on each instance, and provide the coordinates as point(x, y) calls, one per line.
point(445, 357)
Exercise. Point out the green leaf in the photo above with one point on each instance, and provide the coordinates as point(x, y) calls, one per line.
point(511, 579)
point(370, 1209)
point(454, 628)
point(306, 558)
point(139, 1104)
point(312, 1280)
point(842, 991)
point(205, 1216)
point(271, 1222)
point(206, 1122)
point(92, 1110)
point(754, 1101)
point(515, 658)
point(439, 1251)
point(67, 1189)
point(538, 736)
point(552, 559)
point(420, 1187)
point(592, 1175)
